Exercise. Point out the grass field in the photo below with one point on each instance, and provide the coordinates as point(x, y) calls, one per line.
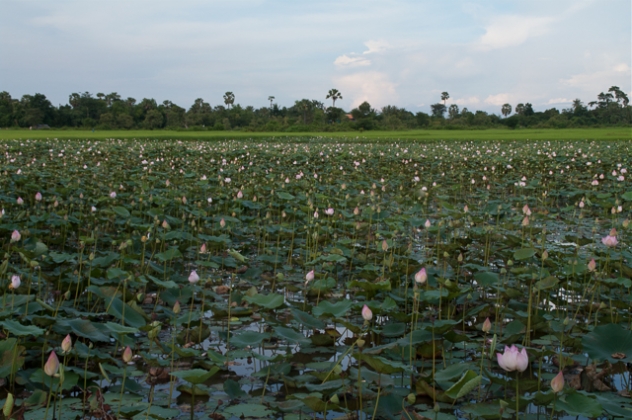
point(613, 133)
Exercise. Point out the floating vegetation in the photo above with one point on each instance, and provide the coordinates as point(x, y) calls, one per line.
point(318, 278)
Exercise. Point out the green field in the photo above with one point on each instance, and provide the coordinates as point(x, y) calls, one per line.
point(612, 133)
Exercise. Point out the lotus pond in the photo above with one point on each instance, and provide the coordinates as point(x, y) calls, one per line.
point(315, 278)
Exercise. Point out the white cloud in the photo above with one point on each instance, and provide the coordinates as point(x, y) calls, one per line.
point(373, 87)
point(346, 61)
point(512, 30)
point(471, 100)
point(375, 46)
point(559, 101)
point(600, 80)
point(499, 99)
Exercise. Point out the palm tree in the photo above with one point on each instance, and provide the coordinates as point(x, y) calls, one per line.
point(229, 99)
point(505, 110)
point(270, 98)
point(445, 96)
point(334, 94)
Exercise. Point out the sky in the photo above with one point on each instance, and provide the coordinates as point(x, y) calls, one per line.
point(484, 53)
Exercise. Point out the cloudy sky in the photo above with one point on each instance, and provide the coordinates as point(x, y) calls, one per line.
point(404, 53)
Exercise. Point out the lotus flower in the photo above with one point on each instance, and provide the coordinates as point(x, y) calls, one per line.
point(222, 222)
point(15, 236)
point(366, 313)
point(240, 194)
point(329, 211)
point(203, 249)
point(113, 194)
point(611, 239)
point(557, 383)
point(526, 210)
point(15, 282)
point(512, 359)
point(427, 224)
point(52, 364)
point(421, 276)
point(20, 201)
point(38, 196)
point(193, 277)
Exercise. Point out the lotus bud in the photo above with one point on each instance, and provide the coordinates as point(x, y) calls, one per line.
point(19, 201)
point(7, 408)
point(127, 355)
point(176, 307)
point(525, 221)
point(15, 282)
point(592, 265)
point(427, 224)
point(203, 249)
point(52, 364)
point(222, 222)
point(487, 325)
point(384, 245)
point(15, 236)
point(193, 277)
point(113, 194)
point(545, 255)
point(557, 383)
point(411, 398)
point(309, 277)
point(421, 276)
point(367, 314)
point(66, 344)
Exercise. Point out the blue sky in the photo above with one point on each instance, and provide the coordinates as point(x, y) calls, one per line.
point(404, 53)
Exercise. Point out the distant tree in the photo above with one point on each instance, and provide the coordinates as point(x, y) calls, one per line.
point(153, 119)
point(453, 111)
point(528, 109)
point(506, 110)
point(334, 94)
point(422, 119)
point(229, 99)
point(520, 109)
point(445, 96)
point(110, 98)
point(438, 110)
point(271, 99)
point(619, 95)
point(304, 106)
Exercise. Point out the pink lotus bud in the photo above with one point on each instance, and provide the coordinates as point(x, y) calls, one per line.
point(222, 222)
point(309, 277)
point(38, 196)
point(427, 224)
point(525, 221)
point(66, 344)
point(356, 211)
point(113, 194)
point(316, 214)
point(184, 199)
point(487, 325)
point(592, 265)
point(15, 236)
point(421, 276)
point(165, 225)
point(127, 355)
point(203, 249)
point(15, 282)
point(366, 313)
point(526, 210)
point(557, 383)
point(52, 364)
point(20, 201)
point(193, 277)
point(240, 194)
point(465, 209)
point(384, 245)
point(329, 211)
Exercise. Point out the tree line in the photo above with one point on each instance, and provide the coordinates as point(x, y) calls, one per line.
point(111, 111)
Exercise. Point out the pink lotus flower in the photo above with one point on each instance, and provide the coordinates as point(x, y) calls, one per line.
point(512, 359)
point(222, 222)
point(557, 383)
point(38, 196)
point(421, 276)
point(611, 239)
point(20, 201)
point(526, 210)
point(329, 211)
point(203, 249)
point(240, 194)
point(366, 313)
point(52, 364)
point(15, 282)
point(15, 236)
point(427, 224)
